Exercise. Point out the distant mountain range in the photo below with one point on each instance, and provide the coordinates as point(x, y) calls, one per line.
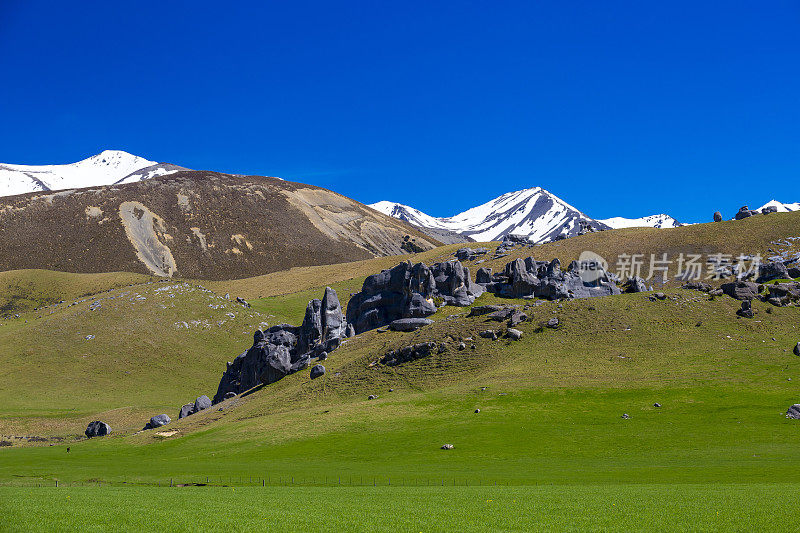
point(534, 213)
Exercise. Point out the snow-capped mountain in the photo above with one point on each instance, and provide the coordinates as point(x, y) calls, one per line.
point(652, 221)
point(535, 213)
point(782, 208)
point(106, 168)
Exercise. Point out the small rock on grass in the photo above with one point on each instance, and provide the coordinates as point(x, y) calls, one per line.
point(626, 416)
point(794, 412)
point(656, 404)
point(477, 410)
point(797, 349)
point(514, 334)
point(447, 446)
point(372, 397)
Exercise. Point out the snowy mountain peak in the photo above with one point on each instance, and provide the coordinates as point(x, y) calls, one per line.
point(781, 207)
point(106, 168)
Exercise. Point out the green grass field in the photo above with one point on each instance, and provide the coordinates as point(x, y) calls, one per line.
point(741, 507)
point(550, 431)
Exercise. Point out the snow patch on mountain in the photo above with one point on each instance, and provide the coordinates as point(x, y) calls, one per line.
point(106, 168)
point(652, 221)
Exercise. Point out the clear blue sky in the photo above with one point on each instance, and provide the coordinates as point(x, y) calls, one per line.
point(621, 108)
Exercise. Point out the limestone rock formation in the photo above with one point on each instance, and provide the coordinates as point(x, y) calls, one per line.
point(285, 349)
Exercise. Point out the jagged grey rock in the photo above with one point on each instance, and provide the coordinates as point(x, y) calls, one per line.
point(794, 412)
point(284, 349)
point(202, 402)
point(97, 429)
point(771, 271)
point(717, 216)
point(635, 284)
point(797, 349)
point(746, 310)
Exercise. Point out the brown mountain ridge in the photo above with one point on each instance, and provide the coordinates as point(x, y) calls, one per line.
point(196, 224)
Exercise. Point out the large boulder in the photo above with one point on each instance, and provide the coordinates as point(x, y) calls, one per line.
point(771, 271)
point(158, 421)
point(483, 276)
point(781, 294)
point(717, 216)
point(769, 209)
point(740, 290)
point(97, 429)
point(202, 402)
point(186, 410)
point(409, 324)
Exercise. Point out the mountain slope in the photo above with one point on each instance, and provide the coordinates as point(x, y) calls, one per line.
point(105, 168)
point(652, 221)
point(195, 224)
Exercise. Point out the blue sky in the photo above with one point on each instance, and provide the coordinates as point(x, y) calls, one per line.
point(620, 108)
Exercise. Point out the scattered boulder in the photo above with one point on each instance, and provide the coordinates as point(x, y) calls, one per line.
point(477, 411)
point(409, 353)
point(468, 254)
point(242, 301)
point(781, 294)
point(656, 404)
point(660, 296)
point(553, 323)
point(514, 334)
point(479, 310)
point(793, 272)
point(409, 324)
point(794, 412)
point(717, 216)
point(626, 416)
point(97, 429)
point(158, 421)
point(489, 334)
point(747, 309)
point(769, 209)
point(323, 356)
point(372, 397)
point(697, 286)
point(797, 349)
point(317, 371)
point(462, 346)
point(447, 446)
point(740, 290)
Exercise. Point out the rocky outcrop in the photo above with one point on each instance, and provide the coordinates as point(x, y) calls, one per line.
point(468, 254)
point(408, 291)
point(97, 429)
point(744, 212)
point(771, 271)
point(740, 290)
point(781, 294)
point(542, 279)
point(285, 349)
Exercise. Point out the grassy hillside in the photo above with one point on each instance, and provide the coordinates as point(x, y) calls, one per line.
point(551, 405)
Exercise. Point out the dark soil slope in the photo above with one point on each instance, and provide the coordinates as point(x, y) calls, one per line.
point(195, 224)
